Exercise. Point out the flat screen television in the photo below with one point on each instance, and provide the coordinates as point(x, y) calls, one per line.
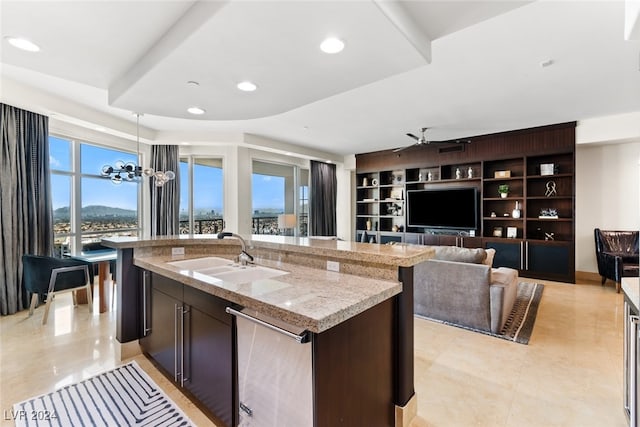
point(445, 208)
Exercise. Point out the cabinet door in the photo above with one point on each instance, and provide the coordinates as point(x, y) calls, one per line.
point(413, 238)
point(471, 242)
point(553, 261)
point(448, 240)
point(209, 366)
point(160, 342)
point(508, 253)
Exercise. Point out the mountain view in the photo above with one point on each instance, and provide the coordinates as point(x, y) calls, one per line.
point(96, 212)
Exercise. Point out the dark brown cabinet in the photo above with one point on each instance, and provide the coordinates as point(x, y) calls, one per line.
point(190, 336)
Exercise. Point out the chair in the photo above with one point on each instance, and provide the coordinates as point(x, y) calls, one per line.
point(48, 276)
point(617, 254)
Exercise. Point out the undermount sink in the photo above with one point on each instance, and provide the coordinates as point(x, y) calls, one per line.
point(249, 273)
point(226, 270)
point(201, 263)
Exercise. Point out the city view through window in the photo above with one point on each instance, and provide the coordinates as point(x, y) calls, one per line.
point(108, 209)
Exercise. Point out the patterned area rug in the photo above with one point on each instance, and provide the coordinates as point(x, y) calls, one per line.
point(124, 396)
point(519, 325)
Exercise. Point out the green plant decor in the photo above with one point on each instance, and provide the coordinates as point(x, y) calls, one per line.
point(503, 189)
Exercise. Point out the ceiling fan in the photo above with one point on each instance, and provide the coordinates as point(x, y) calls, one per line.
point(422, 140)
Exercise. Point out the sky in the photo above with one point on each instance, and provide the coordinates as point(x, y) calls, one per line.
point(268, 191)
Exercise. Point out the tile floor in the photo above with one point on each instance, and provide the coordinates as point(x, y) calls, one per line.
point(570, 374)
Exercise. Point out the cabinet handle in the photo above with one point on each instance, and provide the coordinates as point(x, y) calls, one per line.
point(176, 310)
point(302, 338)
point(633, 371)
point(521, 255)
point(244, 408)
point(527, 257)
point(183, 313)
point(145, 298)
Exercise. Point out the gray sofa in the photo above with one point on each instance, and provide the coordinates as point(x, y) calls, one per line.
point(460, 286)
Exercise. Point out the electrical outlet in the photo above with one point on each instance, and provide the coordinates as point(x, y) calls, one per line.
point(177, 251)
point(333, 266)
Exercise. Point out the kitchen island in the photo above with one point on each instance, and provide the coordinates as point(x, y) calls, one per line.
point(360, 317)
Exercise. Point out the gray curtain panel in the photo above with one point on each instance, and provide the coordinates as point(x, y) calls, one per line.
point(323, 199)
point(165, 200)
point(26, 215)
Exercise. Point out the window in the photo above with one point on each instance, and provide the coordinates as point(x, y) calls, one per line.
point(87, 206)
point(303, 198)
point(273, 194)
point(201, 196)
point(60, 165)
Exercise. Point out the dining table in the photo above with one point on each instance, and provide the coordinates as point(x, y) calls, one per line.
point(102, 257)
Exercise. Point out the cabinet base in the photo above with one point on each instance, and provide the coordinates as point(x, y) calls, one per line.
point(405, 414)
point(127, 350)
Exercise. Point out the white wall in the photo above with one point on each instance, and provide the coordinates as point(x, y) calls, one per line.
point(607, 194)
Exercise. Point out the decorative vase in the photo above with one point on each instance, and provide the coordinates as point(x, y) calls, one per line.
point(470, 173)
point(458, 173)
point(368, 225)
point(516, 212)
point(365, 182)
point(504, 195)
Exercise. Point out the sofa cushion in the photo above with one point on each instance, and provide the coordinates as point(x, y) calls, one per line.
point(456, 254)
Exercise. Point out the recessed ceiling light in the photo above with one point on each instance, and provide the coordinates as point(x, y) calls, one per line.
point(195, 110)
point(332, 45)
point(247, 86)
point(22, 43)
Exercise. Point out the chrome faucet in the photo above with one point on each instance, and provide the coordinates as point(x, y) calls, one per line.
point(244, 258)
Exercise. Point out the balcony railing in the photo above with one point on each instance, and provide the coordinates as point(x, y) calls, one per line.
point(259, 225)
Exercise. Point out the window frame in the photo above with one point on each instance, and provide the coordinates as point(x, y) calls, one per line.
point(296, 186)
point(75, 235)
point(191, 161)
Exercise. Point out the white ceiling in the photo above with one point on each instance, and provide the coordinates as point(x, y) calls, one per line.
point(462, 68)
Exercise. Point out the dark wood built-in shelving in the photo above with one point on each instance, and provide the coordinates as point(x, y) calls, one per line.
point(543, 247)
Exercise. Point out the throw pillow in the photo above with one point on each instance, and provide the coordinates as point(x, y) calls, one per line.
point(490, 254)
point(456, 254)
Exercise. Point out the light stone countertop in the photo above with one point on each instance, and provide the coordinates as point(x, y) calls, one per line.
point(310, 298)
point(400, 255)
point(631, 288)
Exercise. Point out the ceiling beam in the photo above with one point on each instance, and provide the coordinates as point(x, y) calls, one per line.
point(196, 16)
point(407, 26)
point(632, 20)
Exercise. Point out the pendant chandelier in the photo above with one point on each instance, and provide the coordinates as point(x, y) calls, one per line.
point(131, 172)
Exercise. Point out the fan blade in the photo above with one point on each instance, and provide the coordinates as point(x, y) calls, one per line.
point(413, 136)
point(451, 141)
point(402, 148)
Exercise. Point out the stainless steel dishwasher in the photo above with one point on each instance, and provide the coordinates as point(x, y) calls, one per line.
point(275, 386)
